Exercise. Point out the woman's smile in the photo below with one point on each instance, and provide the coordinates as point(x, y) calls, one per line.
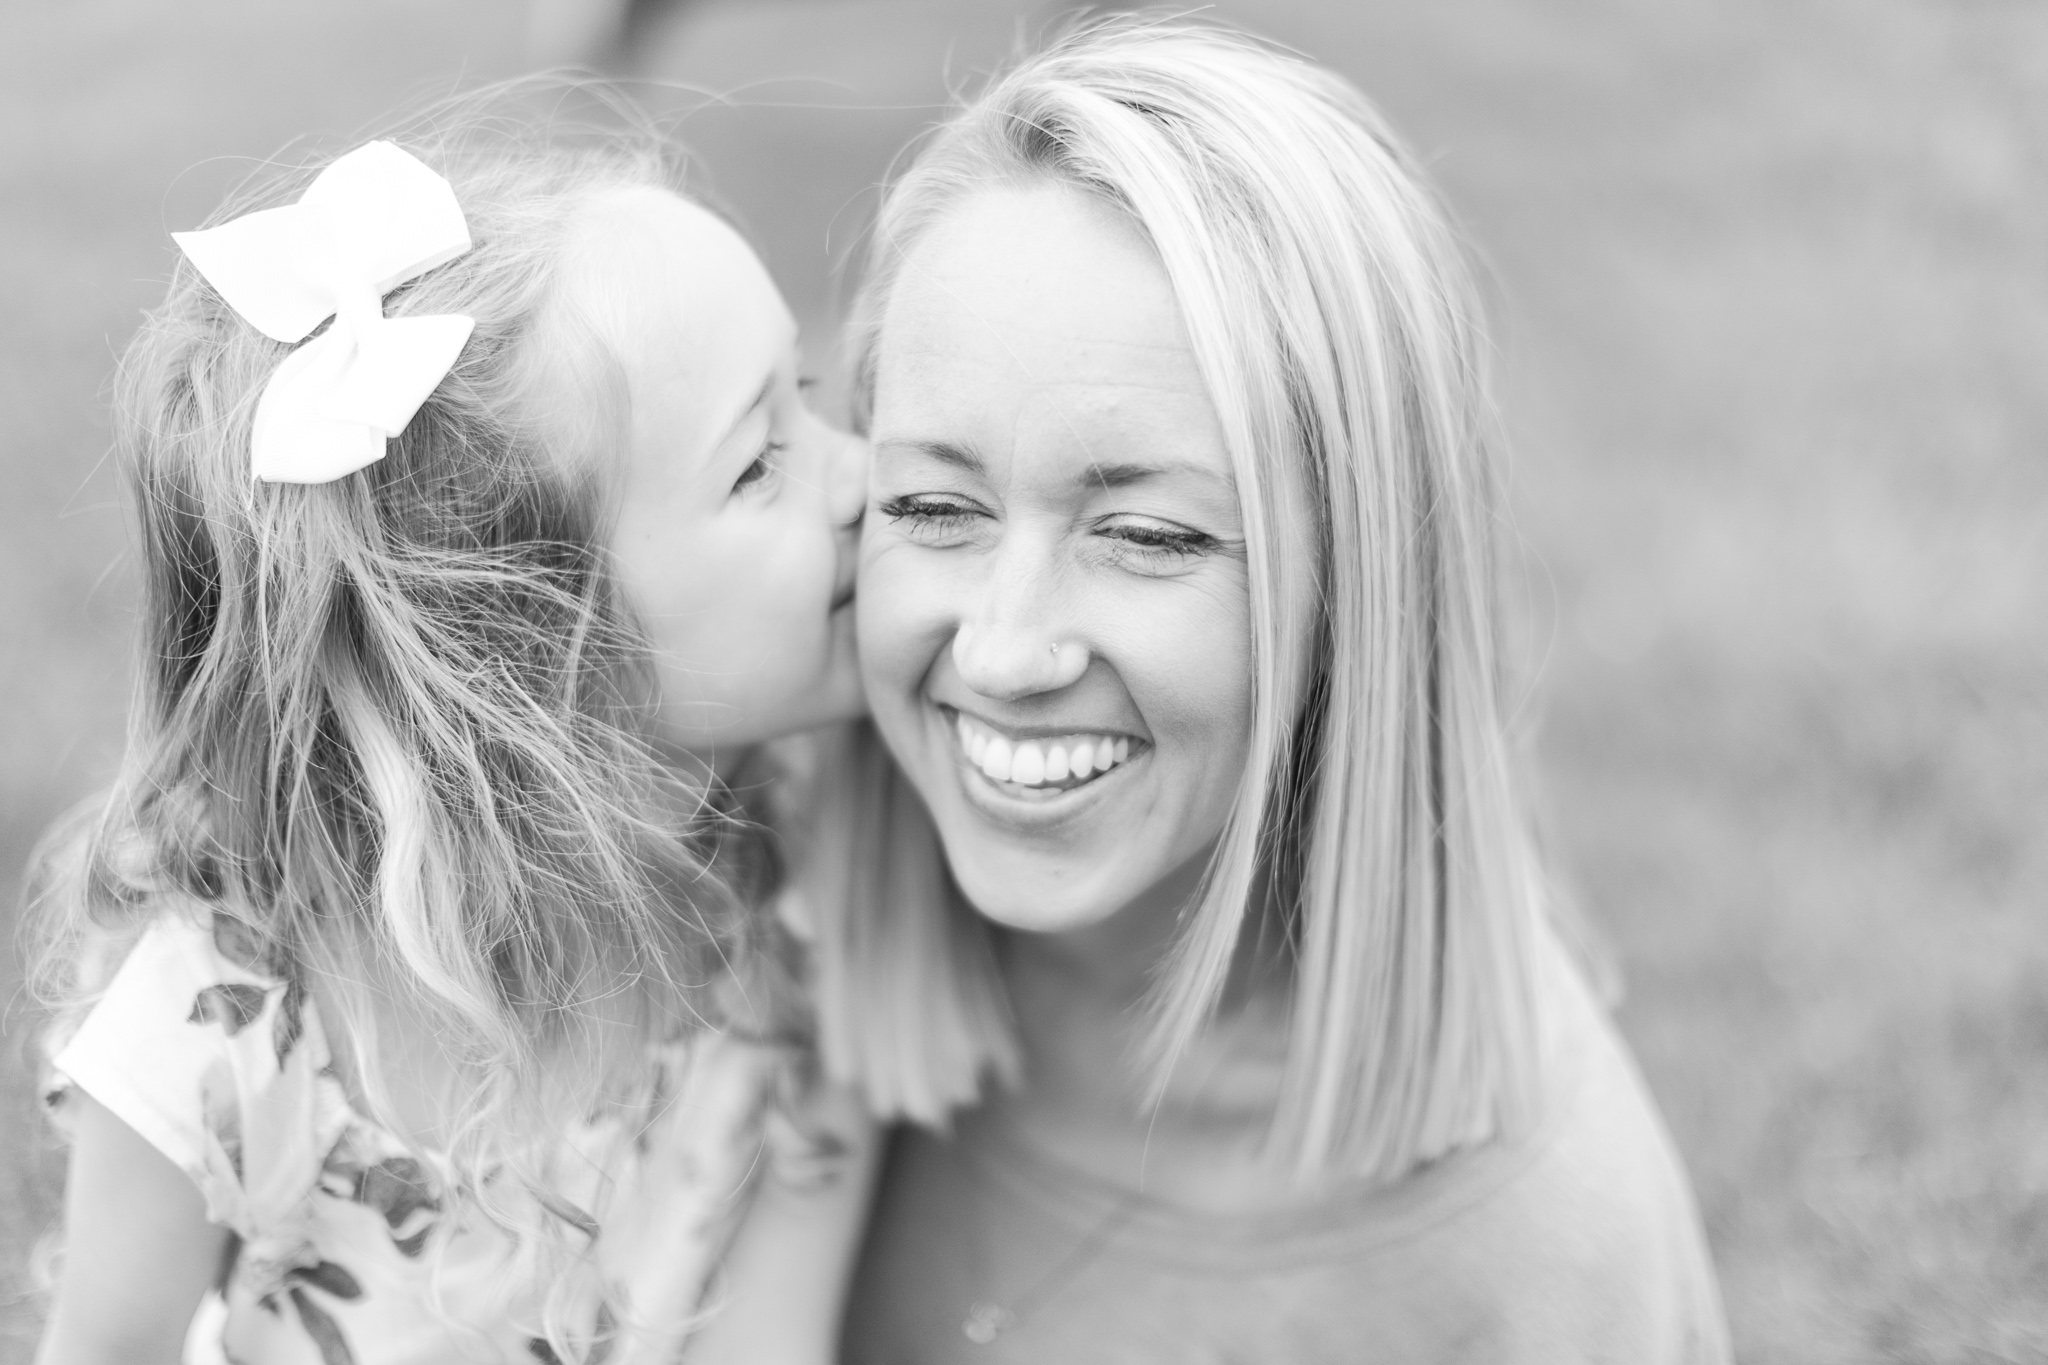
point(1048, 770)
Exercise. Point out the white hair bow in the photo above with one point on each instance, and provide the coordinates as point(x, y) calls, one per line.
point(369, 222)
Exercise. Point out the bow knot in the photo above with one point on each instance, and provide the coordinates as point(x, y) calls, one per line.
point(369, 222)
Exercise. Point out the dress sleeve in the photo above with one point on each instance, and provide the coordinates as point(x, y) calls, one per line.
point(698, 1163)
point(214, 1064)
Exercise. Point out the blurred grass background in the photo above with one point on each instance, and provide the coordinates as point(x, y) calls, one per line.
point(1770, 284)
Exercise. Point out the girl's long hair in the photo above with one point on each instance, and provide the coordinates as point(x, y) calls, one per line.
point(1330, 308)
point(396, 726)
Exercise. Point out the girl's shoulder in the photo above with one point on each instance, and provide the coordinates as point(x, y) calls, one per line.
point(207, 1047)
point(766, 993)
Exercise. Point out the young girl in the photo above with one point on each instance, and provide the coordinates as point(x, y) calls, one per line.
point(414, 1001)
point(1176, 607)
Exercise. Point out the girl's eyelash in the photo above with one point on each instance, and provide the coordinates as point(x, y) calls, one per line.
point(763, 465)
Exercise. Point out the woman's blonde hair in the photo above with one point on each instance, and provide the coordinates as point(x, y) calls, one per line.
point(1331, 310)
point(393, 732)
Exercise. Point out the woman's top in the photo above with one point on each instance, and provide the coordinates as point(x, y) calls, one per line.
point(349, 1247)
point(1579, 1242)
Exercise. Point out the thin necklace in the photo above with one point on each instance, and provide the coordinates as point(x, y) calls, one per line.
point(987, 1320)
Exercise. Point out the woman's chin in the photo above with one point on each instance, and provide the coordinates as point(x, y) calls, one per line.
point(1051, 913)
point(1033, 891)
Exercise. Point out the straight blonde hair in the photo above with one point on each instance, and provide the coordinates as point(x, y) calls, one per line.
point(1330, 307)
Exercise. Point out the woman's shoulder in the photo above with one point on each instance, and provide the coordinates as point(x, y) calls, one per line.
point(1596, 1230)
point(1603, 1142)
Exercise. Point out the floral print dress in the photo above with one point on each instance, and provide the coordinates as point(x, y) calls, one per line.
point(223, 1066)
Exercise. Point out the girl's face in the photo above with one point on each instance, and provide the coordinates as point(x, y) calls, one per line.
point(738, 508)
point(1054, 612)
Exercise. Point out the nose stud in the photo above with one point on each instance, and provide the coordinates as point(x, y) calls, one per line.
point(1055, 649)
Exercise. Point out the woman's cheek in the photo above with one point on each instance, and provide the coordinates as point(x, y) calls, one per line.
point(891, 613)
point(1188, 667)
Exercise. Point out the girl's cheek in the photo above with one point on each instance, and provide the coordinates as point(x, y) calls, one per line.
point(782, 562)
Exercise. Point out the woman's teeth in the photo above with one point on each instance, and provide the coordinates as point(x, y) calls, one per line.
point(1067, 761)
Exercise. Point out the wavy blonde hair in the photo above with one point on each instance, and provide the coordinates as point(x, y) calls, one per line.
point(397, 727)
point(1376, 826)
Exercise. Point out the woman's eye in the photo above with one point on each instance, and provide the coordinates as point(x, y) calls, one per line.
point(1155, 544)
point(763, 465)
point(930, 515)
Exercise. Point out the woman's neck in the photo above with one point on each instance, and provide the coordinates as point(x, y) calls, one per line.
point(1112, 963)
point(1080, 1004)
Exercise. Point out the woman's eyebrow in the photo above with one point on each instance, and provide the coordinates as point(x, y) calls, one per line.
point(1124, 473)
point(961, 457)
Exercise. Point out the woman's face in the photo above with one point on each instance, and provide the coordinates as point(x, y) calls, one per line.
point(1054, 614)
point(737, 508)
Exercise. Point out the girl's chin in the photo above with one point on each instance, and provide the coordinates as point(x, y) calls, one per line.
point(717, 734)
point(840, 694)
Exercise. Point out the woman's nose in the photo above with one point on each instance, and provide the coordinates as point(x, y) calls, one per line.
point(1007, 662)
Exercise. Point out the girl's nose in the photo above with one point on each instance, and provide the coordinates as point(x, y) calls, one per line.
point(846, 481)
point(1008, 663)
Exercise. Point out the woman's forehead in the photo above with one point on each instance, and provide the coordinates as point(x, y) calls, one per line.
point(1042, 274)
point(1039, 316)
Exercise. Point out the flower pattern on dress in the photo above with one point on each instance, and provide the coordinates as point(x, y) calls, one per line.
point(209, 1047)
point(319, 1324)
point(395, 1184)
point(233, 1006)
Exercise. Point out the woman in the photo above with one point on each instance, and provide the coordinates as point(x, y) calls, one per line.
point(1176, 609)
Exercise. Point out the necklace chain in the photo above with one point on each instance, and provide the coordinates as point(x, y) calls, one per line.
point(987, 1320)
